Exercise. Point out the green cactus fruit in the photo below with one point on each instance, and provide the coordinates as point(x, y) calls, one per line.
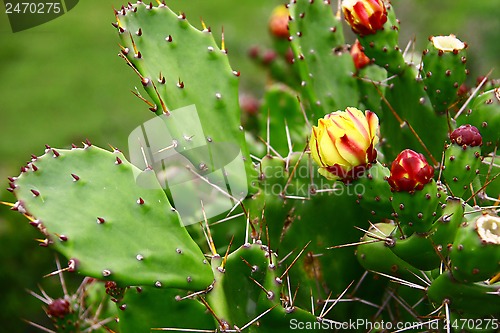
point(475, 255)
point(443, 70)
point(472, 298)
point(376, 255)
point(484, 114)
point(180, 66)
point(462, 159)
point(382, 46)
point(416, 210)
point(446, 226)
point(324, 65)
point(146, 308)
point(417, 250)
point(374, 194)
point(97, 189)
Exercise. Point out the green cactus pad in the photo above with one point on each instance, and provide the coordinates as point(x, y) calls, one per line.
point(371, 89)
point(180, 66)
point(475, 255)
point(484, 114)
point(446, 226)
point(473, 298)
point(444, 70)
point(408, 120)
point(416, 210)
point(234, 296)
point(287, 126)
point(376, 256)
point(461, 165)
point(325, 67)
point(89, 206)
point(382, 46)
point(376, 192)
point(146, 308)
point(418, 250)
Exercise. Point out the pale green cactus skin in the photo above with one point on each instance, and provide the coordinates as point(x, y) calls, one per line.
point(304, 249)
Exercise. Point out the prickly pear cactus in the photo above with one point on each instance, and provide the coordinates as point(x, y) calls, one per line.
point(372, 195)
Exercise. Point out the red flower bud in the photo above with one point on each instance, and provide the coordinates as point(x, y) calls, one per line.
point(365, 17)
point(59, 308)
point(358, 56)
point(410, 171)
point(467, 135)
point(278, 24)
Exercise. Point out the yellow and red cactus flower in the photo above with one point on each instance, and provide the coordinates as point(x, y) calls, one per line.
point(358, 56)
point(278, 23)
point(343, 143)
point(365, 17)
point(410, 171)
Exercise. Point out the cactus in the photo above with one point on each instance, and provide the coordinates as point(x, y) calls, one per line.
point(444, 70)
point(349, 213)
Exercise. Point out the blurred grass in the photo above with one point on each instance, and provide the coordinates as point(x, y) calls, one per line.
point(62, 82)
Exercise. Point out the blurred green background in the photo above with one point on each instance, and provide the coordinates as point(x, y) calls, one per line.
point(62, 82)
